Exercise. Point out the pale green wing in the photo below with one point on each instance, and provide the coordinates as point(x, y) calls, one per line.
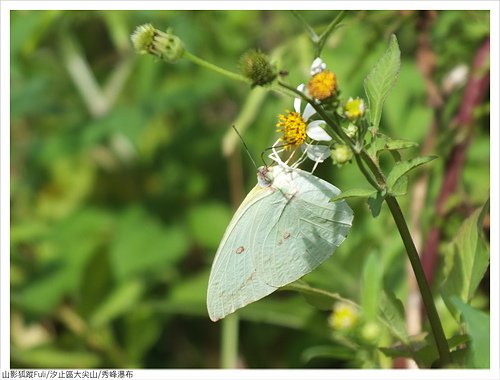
point(302, 235)
point(233, 281)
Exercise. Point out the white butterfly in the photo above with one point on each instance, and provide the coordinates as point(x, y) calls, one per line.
point(284, 229)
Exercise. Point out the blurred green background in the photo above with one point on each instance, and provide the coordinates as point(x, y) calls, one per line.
point(120, 191)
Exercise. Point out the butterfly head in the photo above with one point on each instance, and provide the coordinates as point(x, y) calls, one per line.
point(264, 176)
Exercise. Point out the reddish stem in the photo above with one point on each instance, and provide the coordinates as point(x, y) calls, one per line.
point(475, 91)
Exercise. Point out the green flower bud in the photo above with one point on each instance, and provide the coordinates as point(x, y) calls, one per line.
point(148, 40)
point(255, 65)
point(351, 130)
point(371, 332)
point(341, 154)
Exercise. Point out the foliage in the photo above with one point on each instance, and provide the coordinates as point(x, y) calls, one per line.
point(120, 193)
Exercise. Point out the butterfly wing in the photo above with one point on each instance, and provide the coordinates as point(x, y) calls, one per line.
point(233, 281)
point(304, 233)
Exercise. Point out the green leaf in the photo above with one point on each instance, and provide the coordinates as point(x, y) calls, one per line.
point(51, 357)
point(142, 244)
point(478, 326)
point(399, 144)
point(381, 142)
point(421, 349)
point(372, 284)
point(381, 79)
point(121, 300)
point(354, 193)
point(400, 187)
point(403, 167)
point(467, 260)
point(375, 203)
point(331, 351)
point(208, 222)
point(393, 315)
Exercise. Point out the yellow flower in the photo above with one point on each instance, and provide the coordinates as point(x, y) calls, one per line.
point(343, 317)
point(354, 108)
point(322, 85)
point(293, 127)
point(297, 130)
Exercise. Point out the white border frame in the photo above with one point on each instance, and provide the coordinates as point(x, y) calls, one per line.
point(6, 6)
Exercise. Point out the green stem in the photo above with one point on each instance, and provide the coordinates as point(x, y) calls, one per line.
point(425, 291)
point(229, 346)
point(302, 287)
point(199, 61)
point(329, 29)
point(367, 175)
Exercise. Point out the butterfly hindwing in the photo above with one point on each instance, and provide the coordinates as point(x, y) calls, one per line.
point(305, 232)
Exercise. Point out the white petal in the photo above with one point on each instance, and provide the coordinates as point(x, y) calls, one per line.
point(316, 132)
point(316, 153)
point(317, 66)
point(308, 112)
point(297, 101)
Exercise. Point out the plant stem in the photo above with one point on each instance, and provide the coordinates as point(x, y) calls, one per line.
point(229, 346)
point(425, 292)
point(199, 61)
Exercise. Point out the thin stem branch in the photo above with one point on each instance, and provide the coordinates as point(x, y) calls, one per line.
point(425, 292)
point(229, 344)
point(326, 33)
point(199, 61)
point(365, 172)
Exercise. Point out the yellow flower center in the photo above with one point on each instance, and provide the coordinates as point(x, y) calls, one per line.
point(354, 108)
point(343, 317)
point(322, 85)
point(293, 128)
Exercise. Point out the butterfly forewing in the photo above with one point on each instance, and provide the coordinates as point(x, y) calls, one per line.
point(233, 281)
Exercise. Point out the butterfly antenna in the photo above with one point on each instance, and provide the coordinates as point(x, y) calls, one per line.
point(246, 147)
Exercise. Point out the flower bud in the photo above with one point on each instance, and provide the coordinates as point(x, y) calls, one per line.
point(148, 40)
point(255, 65)
point(341, 154)
point(351, 130)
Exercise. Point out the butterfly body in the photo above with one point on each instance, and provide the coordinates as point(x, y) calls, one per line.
point(284, 228)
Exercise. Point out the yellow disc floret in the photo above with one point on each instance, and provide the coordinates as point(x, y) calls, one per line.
point(354, 108)
point(293, 128)
point(343, 317)
point(322, 85)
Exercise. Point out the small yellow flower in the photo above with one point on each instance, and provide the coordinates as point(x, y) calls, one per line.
point(354, 108)
point(343, 317)
point(293, 127)
point(322, 85)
